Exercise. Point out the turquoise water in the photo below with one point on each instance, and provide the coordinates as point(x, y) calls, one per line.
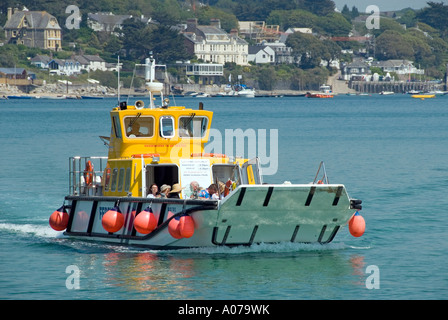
point(389, 151)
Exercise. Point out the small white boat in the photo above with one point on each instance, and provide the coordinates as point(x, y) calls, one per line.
point(387, 93)
point(202, 95)
point(246, 93)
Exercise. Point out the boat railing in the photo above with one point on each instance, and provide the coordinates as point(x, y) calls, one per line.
point(86, 175)
point(324, 178)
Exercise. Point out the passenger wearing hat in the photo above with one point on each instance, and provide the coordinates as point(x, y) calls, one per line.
point(174, 193)
point(164, 190)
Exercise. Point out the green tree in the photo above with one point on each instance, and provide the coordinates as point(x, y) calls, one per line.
point(436, 15)
point(307, 49)
point(228, 20)
point(393, 45)
point(267, 78)
point(319, 7)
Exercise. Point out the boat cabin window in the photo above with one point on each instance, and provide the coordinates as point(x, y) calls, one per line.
point(120, 179)
point(167, 127)
point(127, 182)
point(224, 172)
point(116, 126)
point(113, 185)
point(162, 174)
point(139, 127)
point(193, 126)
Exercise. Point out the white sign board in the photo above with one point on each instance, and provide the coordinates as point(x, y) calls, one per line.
point(194, 170)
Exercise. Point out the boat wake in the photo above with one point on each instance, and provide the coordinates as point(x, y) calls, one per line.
point(43, 231)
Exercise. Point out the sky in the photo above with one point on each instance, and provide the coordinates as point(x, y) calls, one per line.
point(384, 5)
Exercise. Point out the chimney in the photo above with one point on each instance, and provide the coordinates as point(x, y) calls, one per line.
point(234, 32)
point(9, 13)
point(215, 22)
point(191, 25)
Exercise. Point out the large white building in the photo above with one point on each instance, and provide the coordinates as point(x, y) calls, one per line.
point(212, 44)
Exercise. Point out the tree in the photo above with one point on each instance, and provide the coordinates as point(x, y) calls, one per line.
point(307, 49)
point(319, 7)
point(267, 78)
point(166, 44)
point(392, 45)
point(228, 20)
point(436, 15)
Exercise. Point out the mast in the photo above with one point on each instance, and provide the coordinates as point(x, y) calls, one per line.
point(118, 86)
point(150, 74)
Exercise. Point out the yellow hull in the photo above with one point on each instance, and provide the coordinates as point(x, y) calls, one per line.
point(423, 96)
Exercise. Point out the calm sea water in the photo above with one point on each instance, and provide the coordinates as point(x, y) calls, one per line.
point(389, 151)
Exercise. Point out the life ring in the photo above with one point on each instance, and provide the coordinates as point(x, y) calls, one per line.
point(145, 155)
point(88, 173)
point(207, 155)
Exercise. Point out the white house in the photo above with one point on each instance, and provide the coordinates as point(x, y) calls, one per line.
point(400, 67)
point(212, 44)
point(357, 70)
point(261, 54)
point(40, 61)
point(64, 67)
point(283, 53)
point(91, 62)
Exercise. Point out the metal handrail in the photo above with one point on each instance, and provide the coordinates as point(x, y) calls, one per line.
point(324, 176)
point(77, 166)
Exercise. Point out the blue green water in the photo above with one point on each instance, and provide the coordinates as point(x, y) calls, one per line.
point(389, 151)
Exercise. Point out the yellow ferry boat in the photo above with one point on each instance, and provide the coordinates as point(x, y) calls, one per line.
point(110, 198)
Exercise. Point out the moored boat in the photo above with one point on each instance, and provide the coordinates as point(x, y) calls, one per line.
point(324, 92)
point(423, 96)
point(164, 145)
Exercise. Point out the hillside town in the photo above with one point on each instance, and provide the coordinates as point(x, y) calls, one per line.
point(207, 56)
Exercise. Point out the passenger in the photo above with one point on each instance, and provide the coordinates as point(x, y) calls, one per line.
point(164, 190)
point(153, 191)
point(213, 191)
point(174, 193)
point(210, 192)
point(222, 189)
point(194, 189)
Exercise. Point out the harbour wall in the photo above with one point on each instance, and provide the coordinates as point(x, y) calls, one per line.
point(394, 86)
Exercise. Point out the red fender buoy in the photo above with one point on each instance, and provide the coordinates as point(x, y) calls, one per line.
point(59, 219)
point(113, 220)
point(186, 226)
point(173, 227)
point(357, 225)
point(145, 222)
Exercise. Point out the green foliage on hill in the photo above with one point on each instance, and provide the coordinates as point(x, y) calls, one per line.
point(424, 40)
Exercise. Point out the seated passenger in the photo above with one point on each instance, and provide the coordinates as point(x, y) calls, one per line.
point(194, 189)
point(210, 192)
point(153, 191)
point(164, 190)
point(174, 193)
